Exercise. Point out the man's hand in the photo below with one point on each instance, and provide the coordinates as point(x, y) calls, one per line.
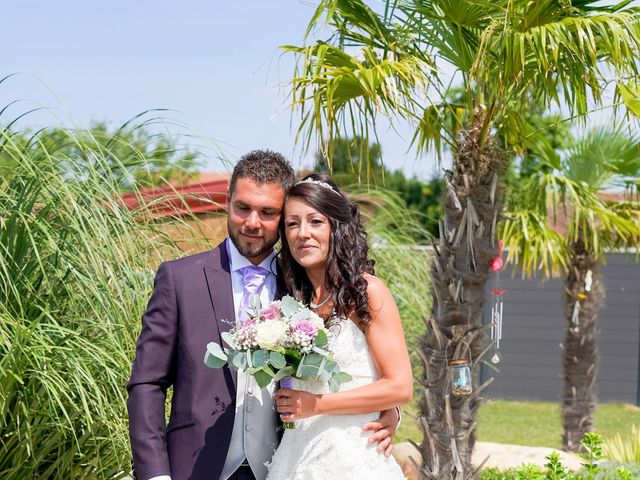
point(384, 428)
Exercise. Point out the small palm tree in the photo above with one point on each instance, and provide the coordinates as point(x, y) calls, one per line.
point(508, 55)
point(574, 181)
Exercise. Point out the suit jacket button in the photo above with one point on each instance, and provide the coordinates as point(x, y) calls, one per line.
point(250, 391)
point(248, 409)
point(247, 428)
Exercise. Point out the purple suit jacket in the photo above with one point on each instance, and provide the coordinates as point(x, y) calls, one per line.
point(191, 300)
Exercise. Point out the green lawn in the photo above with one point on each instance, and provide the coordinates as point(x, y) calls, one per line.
point(530, 423)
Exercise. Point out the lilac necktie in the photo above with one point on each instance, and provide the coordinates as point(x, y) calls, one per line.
point(253, 278)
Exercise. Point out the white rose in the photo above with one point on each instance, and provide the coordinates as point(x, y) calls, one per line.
point(317, 320)
point(268, 333)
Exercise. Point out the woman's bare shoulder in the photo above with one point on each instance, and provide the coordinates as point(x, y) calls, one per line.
point(377, 290)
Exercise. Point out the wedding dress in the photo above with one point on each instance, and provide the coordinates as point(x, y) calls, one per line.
point(334, 447)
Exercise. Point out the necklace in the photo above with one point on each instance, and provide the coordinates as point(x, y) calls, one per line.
point(318, 305)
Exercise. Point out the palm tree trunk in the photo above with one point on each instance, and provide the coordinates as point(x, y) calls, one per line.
point(460, 272)
point(583, 298)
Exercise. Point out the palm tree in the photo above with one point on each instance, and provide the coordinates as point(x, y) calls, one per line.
point(596, 224)
point(508, 54)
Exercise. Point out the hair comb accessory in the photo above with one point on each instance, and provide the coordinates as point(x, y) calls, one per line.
point(320, 183)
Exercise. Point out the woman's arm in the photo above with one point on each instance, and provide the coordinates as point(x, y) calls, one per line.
point(389, 351)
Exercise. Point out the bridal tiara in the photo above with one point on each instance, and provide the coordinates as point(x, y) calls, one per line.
point(320, 183)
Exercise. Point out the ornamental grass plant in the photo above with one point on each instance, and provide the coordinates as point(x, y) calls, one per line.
point(76, 270)
point(400, 262)
point(624, 448)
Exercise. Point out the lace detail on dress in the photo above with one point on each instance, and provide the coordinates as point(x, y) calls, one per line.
point(328, 447)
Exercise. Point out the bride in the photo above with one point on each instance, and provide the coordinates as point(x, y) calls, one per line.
point(324, 263)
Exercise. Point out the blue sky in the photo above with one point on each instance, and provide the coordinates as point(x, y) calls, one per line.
point(215, 63)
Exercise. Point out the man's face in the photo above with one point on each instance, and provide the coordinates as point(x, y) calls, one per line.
point(254, 214)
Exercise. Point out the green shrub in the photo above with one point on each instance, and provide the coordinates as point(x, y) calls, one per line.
point(593, 468)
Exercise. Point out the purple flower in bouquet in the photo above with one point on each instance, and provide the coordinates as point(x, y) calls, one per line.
point(272, 311)
point(306, 326)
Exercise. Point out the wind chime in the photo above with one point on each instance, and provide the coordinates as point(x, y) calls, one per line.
point(497, 304)
point(575, 315)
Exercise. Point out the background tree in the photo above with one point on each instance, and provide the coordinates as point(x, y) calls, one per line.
point(571, 184)
point(508, 56)
point(355, 162)
point(130, 155)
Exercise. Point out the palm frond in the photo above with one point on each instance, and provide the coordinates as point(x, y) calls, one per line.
point(532, 244)
point(573, 55)
point(339, 92)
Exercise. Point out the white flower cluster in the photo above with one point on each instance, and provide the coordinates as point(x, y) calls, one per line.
point(300, 341)
point(245, 337)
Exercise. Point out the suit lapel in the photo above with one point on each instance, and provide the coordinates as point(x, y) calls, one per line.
point(218, 276)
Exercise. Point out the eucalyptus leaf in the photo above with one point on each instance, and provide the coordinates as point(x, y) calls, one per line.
point(312, 367)
point(342, 377)
point(305, 313)
point(321, 339)
point(321, 351)
point(307, 372)
point(231, 355)
point(313, 359)
point(240, 361)
point(289, 306)
point(262, 378)
point(331, 366)
point(214, 356)
point(333, 385)
point(323, 376)
point(285, 372)
point(213, 362)
point(260, 357)
point(277, 360)
point(228, 339)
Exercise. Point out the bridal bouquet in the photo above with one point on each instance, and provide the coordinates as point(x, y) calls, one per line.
point(283, 339)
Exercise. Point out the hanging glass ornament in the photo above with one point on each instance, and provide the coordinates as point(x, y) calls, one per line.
point(460, 371)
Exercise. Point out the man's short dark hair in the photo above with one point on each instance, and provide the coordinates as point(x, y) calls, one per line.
point(263, 166)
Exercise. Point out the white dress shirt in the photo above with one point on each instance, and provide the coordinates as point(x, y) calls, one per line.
point(245, 383)
point(236, 454)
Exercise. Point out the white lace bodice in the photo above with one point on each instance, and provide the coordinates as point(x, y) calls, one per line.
point(349, 346)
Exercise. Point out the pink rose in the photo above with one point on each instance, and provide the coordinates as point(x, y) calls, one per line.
point(307, 327)
point(271, 312)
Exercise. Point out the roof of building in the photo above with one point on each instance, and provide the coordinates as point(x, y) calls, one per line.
point(206, 194)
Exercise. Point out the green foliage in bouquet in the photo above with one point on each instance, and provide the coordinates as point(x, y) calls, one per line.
point(274, 356)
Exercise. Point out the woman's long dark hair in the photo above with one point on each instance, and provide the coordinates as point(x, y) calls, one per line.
point(347, 260)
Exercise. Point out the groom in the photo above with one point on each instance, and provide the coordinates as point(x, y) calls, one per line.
point(221, 425)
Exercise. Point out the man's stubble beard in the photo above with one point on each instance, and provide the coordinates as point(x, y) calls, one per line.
point(249, 253)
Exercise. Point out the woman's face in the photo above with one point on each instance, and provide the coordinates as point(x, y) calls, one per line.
point(308, 233)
